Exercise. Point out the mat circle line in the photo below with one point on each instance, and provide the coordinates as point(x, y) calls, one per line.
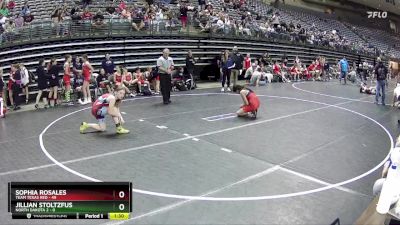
point(204, 198)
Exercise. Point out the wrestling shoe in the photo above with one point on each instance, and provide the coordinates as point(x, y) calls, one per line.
point(121, 130)
point(83, 127)
point(253, 115)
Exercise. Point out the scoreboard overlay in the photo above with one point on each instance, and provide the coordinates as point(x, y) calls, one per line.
point(70, 200)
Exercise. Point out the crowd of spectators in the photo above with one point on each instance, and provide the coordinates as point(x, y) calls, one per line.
point(234, 18)
point(10, 24)
point(247, 18)
point(76, 81)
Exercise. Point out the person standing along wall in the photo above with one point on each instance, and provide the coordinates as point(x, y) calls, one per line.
point(67, 78)
point(190, 63)
point(165, 66)
point(2, 104)
point(344, 69)
point(42, 79)
point(238, 60)
point(16, 86)
point(87, 71)
point(53, 74)
point(381, 72)
point(227, 65)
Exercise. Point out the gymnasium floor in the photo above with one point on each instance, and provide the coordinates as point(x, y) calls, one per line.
point(193, 162)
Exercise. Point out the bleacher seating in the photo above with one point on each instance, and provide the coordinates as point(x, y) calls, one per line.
point(143, 52)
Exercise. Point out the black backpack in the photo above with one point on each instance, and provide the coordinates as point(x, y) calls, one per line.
point(180, 85)
point(146, 90)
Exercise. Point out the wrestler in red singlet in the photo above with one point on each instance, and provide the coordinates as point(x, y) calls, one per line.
point(86, 72)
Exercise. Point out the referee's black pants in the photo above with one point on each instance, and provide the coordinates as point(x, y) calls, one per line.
point(165, 84)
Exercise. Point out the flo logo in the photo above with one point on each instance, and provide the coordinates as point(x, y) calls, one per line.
point(374, 14)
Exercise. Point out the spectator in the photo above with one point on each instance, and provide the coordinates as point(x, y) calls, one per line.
point(25, 81)
point(202, 4)
point(3, 20)
point(87, 15)
point(190, 63)
point(78, 83)
point(312, 69)
point(140, 79)
point(227, 65)
point(87, 71)
point(159, 19)
point(138, 21)
point(118, 77)
point(165, 66)
point(183, 14)
point(275, 20)
point(2, 102)
point(102, 81)
point(57, 18)
point(25, 9)
point(278, 72)
point(98, 19)
point(285, 59)
point(85, 3)
point(247, 62)
point(54, 78)
point(18, 21)
point(325, 68)
point(126, 13)
point(256, 76)
point(9, 30)
point(75, 13)
point(297, 61)
point(2, 35)
point(381, 72)
point(265, 59)
point(28, 18)
point(318, 69)
point(16, 86)
point(205, 22)
point(121, 6)
point(130, 80)
point(110, 10)
point(238, 61)
point(77, 67)
point(295, 72)
point(4, 11)
point(249, 72)
point(364, 71)
point(154, 78)
point(344, 69)
point(42, 79)
point(67, 78)
point(108, 65)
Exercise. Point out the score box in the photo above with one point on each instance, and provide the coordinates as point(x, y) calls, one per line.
point(67, 200)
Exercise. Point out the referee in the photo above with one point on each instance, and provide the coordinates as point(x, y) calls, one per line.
point(165, 66)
